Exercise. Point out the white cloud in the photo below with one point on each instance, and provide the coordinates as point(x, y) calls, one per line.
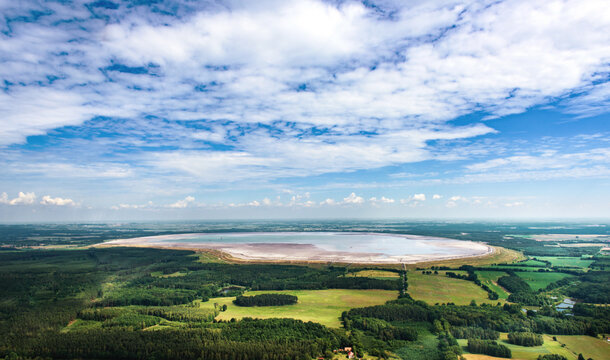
point(180, 204)
point(419, 197)
point(383, 200)
point(21, 199)
point(353, 199)
point(328, 202)
point(514, 204)
point(48, 200)
point(436, 197)
point(456, 198)
point(147, 205)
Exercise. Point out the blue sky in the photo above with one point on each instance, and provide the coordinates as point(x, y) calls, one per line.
point(139, 110)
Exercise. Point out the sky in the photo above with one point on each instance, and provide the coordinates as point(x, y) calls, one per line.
point(170, 110)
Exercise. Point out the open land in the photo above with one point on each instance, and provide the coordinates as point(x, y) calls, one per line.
point(76, 303)
point(540, 280)
point(321, 306)
point(442, 289)
point(567, 261)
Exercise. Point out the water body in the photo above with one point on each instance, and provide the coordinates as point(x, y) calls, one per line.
point(331, 241)
point(318, 246)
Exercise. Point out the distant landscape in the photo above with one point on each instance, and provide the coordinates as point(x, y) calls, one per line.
point(304, 179)
point(66, 297)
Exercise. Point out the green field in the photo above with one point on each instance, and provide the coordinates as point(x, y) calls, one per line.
point(567, 261)
point(321, 306)
point(489, 278)
point(531, 353)
point(540, 280)
point(532, 262)
point(441, 289)
point(590, 347)
point(377, 274)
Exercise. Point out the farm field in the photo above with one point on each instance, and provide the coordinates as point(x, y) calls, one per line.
point(441, 289)
point(567, 261)
point(540, 280)
point(321, 306)
point(489, 278)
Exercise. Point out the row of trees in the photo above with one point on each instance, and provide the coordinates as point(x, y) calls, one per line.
point(474, 333)
point(488, 347)
point(266, 300)
point(525, 339)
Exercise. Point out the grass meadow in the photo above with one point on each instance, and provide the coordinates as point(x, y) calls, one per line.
point(322, 306)
point(567, 261)
point(540, 280)
point(441, 289)
point(489, 278)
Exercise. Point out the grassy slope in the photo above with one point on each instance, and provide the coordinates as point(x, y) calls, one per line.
point(489, 278)
point(322, 306)
point(590, 347)
point(539, 280)
point(441, 289)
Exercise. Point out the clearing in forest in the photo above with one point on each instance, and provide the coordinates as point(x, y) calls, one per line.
point(321, 306)
point(442, 289)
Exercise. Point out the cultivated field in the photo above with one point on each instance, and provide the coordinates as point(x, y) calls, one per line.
point(441, 289)
point(321, 306)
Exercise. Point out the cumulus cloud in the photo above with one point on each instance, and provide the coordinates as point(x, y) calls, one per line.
point(317, 74)
point(353, 199)
point(180, 204)
point(22, 199)
point(383, 200)
point(419, 197)
point(206, 93)
point(436, 197)
point(57, 201)
point(328, 202)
